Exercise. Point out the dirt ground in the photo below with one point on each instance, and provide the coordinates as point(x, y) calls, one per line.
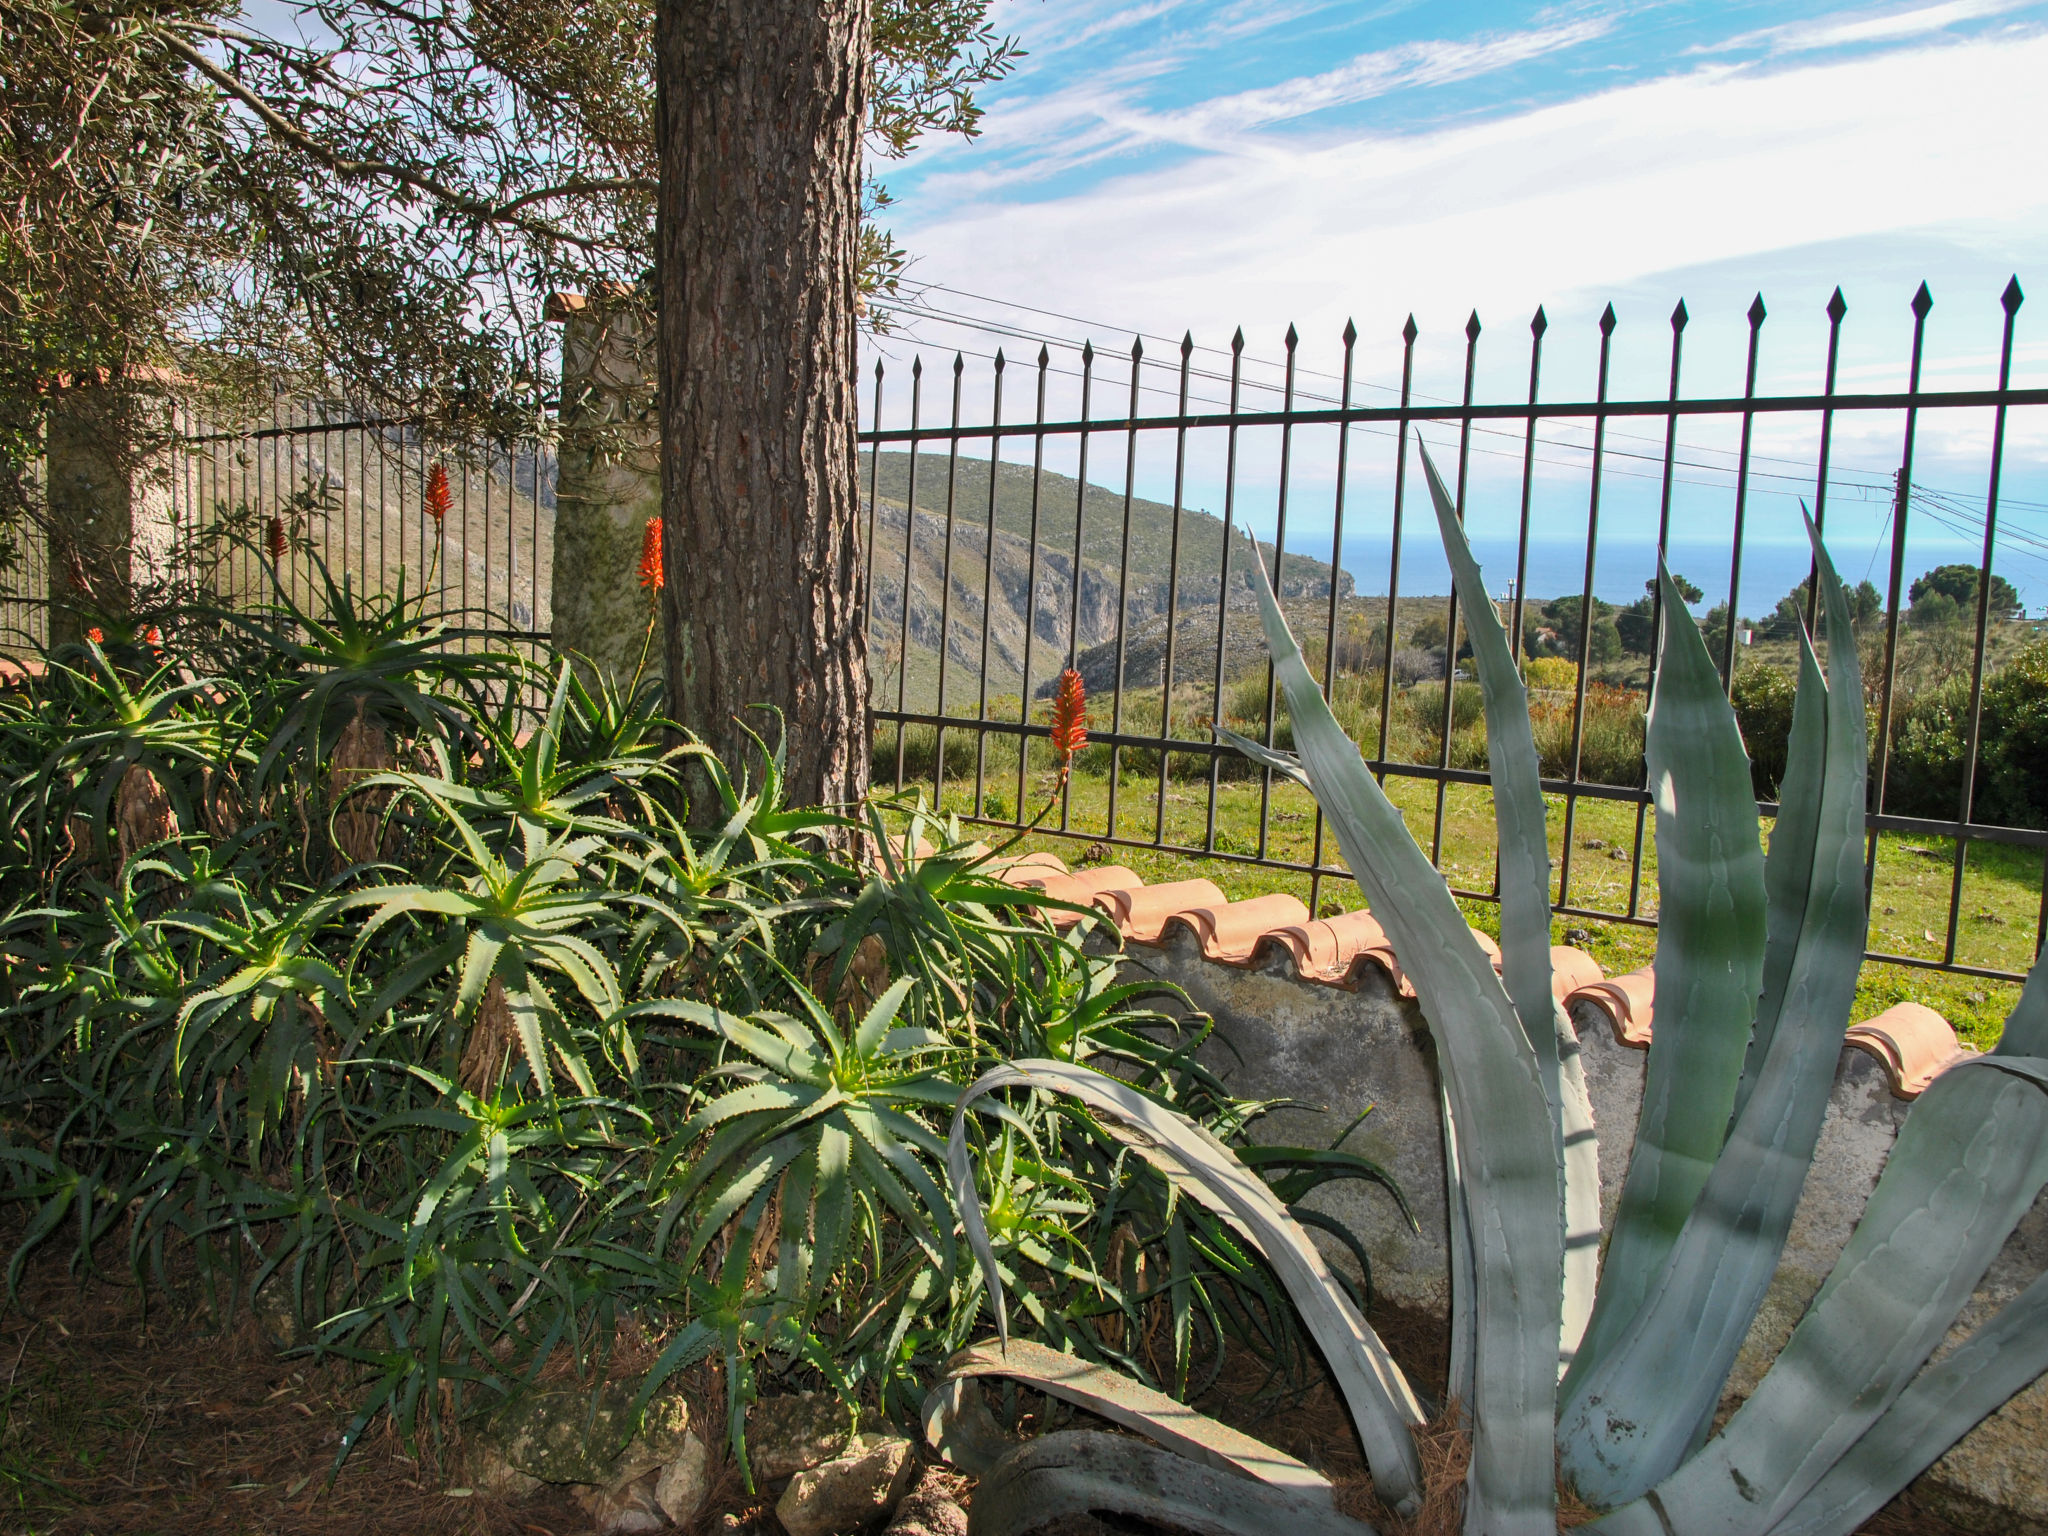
point(117, 1423)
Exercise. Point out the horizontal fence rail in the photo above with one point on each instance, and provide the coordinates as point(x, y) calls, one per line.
point(352, 491)
point(1007, 544)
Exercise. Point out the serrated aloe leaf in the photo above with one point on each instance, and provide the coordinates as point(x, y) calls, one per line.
point(1506, 1148)
point(1944, 1403)
point(1383, 1407)
point(1519, 815)
point(1663, 1377)
point(1967, 1165)
point(1710, 934)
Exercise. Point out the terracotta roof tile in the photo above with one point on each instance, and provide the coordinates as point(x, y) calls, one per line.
point(1232, 933)
point(1333, 950)
point(1626, 1000)
point(1914, 1044)
point(1140, 911)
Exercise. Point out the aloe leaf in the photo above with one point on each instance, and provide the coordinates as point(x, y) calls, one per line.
point(1383, 1407)
point(1967, 1165)
point(1523, 841)
point(1507, 1150)
point(1944, 1402)
point(1710, 932)
point(1075, 1472)
point(1135, 1406)
point(1665, 1374)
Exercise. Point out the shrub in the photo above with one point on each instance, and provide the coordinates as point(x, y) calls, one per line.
point(1555, 673)
point(1762, 697)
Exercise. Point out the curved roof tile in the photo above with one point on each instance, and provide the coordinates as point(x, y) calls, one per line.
point(1914, 1043)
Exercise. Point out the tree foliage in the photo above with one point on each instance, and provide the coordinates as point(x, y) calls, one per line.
point(367, 197)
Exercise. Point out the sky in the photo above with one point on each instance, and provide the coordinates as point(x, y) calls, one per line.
point(1160, 167)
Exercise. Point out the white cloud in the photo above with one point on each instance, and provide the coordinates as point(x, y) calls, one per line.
point(1846, 29)
point(1716, 165)
point(1365, 77)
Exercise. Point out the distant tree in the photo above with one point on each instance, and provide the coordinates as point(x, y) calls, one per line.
point(1561, 617)
point(1635, 623)
point(1958, 584)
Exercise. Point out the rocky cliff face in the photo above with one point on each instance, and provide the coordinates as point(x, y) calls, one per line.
point(1056, 623)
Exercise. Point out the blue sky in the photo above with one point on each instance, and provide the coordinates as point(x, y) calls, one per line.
point(1162, 165)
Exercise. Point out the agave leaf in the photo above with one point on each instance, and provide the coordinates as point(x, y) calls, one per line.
point(1788, 872)
point(1523, 840)
point(1710, 932)
point(1507, 1148)
point(1968, 1163)
point(1383, 1407)
point(1121, 1400)
point(1665, 1373)
point(1075, 1472)
point(1944, 1402)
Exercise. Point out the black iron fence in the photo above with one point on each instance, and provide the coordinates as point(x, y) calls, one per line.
point(1006, 546)
point(352, 490)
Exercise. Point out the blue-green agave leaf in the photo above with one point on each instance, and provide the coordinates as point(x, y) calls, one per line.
point(1710, 936)
point(1506, 1148)
point(1665, 1375)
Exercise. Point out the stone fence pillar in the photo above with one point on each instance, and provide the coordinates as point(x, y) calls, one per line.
point(608, 484)
point(111, 454)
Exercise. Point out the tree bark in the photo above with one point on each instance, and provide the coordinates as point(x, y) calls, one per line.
point(762, 108)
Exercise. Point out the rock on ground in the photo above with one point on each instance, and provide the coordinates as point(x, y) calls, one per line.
point(850, 1494)
point(794, 1433)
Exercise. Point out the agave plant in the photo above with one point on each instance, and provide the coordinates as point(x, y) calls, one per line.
point(1608, 1373)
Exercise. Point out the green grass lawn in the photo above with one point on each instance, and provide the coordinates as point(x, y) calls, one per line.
point(2000, 901)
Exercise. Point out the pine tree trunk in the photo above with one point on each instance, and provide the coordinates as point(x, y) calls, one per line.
point(762, 108)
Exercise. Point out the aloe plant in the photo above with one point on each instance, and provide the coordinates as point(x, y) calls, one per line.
point(1756, 969)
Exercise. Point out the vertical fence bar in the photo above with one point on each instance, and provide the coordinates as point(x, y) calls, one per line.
point(1443, 746)
point(1665, 481)
point(1080, 512)
point(946, 592)
point(909, 544)
point(1167, 680)
point(1292, 341)
point(1384, 754)
point(1031, 575)
point(1123, 584)
point(1923, 301)
point(874, 503)
point(1315, 878)
point(2010, 301)
point(988, 576)
point(1538, 324)
point(1223, 580)
point(1837, 307)
point(1757, 313)
point(1571, 793)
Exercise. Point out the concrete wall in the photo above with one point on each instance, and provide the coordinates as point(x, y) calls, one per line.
point(1337, 1050)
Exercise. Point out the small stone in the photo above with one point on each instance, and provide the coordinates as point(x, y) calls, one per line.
point(1974, 997)
point(1595, 844)
point(1619, 855)
point(849, 1494)
point(1578, 937)
point(683, 1483)
point(929, 1509)
point(1330, 909)
point(796, 1432)
point(488, 1470)
point(1095, 853)
point(564, 1435)
point(625, 1510)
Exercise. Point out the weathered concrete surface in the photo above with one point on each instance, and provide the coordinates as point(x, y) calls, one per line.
point(1336, 1050)
point(609, 485)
